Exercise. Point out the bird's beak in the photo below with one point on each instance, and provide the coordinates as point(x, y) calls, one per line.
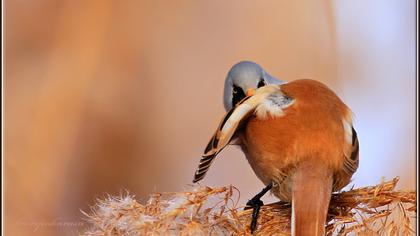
point(250, 92)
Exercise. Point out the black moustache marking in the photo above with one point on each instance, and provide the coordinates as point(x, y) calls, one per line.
point(237, 96)
point(261, 83)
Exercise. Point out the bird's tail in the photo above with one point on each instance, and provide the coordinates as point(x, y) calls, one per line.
point(312, 186)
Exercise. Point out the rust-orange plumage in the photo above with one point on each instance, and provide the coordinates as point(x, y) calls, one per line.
point(298, 138)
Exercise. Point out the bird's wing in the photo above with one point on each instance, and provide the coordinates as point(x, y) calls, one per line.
point(350, 155)
point(351, 159)
point(227, 127)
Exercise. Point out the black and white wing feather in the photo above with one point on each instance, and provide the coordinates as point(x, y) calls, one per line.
point(229, 125)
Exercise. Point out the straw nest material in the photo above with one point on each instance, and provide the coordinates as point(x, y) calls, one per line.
point(374, 210)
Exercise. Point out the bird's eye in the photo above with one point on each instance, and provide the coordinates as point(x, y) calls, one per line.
point(261, 83)
point(235, 90)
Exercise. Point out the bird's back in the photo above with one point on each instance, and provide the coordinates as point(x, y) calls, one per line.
point(303, 151)
point(310, 128)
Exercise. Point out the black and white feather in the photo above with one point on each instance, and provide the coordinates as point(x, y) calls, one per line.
point(229, 125)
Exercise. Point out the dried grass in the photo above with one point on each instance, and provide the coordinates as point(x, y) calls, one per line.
point(375, 210)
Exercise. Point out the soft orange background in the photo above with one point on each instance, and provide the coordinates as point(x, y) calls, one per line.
point(103, 96)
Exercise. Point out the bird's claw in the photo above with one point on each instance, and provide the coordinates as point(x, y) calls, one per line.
point(253, 203)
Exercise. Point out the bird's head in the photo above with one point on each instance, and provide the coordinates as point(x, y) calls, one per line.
point(242, 80)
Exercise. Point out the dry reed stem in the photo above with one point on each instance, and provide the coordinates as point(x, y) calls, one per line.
point(374, 210)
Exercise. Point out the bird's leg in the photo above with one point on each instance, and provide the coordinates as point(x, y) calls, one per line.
point(255, 203)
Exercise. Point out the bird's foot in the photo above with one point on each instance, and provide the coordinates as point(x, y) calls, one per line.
point(255, 203)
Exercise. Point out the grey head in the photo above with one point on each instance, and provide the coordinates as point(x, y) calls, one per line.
point(243, 77)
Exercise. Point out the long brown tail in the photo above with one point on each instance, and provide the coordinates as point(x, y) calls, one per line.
point(312, 186)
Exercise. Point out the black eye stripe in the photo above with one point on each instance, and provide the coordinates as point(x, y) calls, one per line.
point(237, 95)
point(261, 83)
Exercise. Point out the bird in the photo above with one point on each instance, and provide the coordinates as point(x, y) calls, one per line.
point(297, 136)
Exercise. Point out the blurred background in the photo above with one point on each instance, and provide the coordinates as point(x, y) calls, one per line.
point(106, 96)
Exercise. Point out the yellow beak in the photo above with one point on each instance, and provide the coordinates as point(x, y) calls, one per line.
point(250, 92)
